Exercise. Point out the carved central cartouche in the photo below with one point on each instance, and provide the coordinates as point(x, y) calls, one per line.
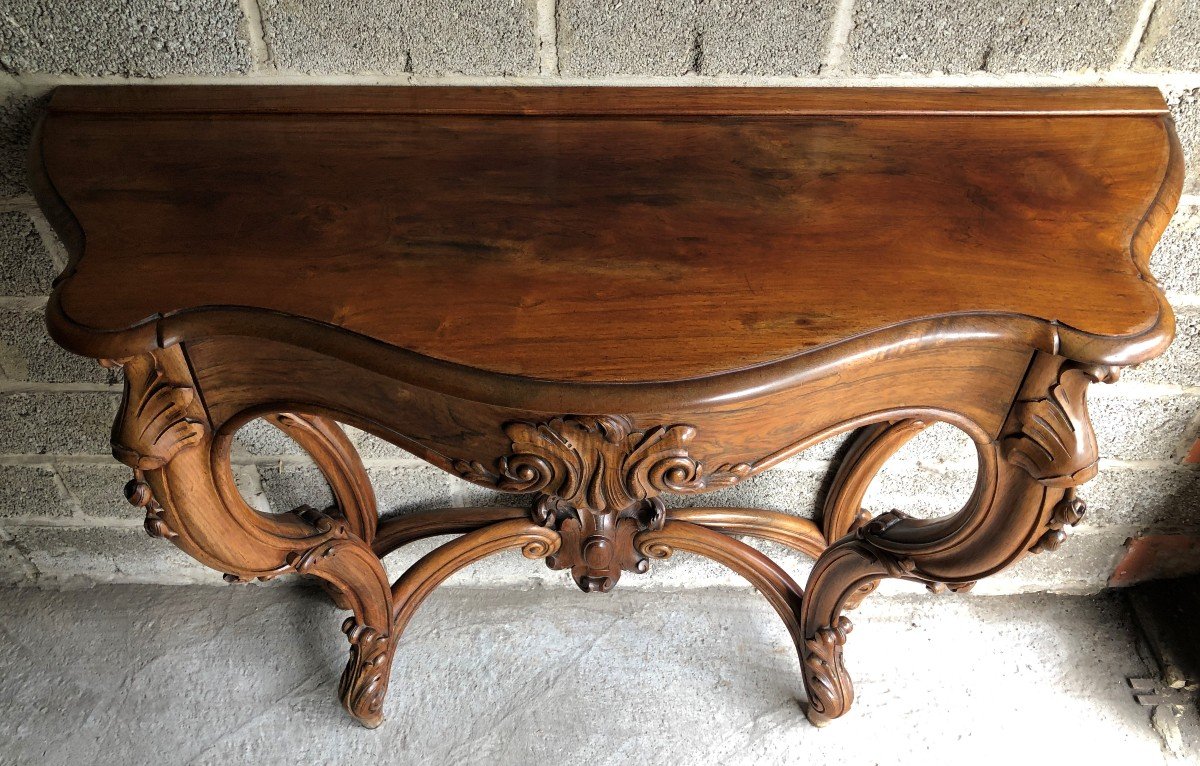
point(599, 478)
point(597, 547)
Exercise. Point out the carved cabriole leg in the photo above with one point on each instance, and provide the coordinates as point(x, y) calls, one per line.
point(183, 479)
point(338, 460)
point(870, 449)
point(1024, 497)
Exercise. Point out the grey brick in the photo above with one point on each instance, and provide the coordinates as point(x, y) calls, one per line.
point(1082, 565)
point(780, 37)
point(466, 494)
point(1144, 428)
point(399, 489)
point(404, 489)
point(113, 554)
point(19, 112)
point(1185, 108)
point(1158, 499)
point(28, 353)
point(919, 490)
point(57, 423)
point(145, 38)
point(488, 37)
point(1180, 365)
point(30, 490)
point(626, 37)
point(1176, 259)
point(960, 36)
point(25, 266)
point(640, 37)
point(258, 437)
point(374, 448)
point(99, 489)
point(788, 491)
point(289, 486)
point(794, 492)
point(1172, 40)
point(939, 443)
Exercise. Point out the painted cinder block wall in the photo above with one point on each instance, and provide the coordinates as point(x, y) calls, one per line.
point(62, 517)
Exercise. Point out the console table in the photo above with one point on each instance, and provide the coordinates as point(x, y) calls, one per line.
point(600, 296)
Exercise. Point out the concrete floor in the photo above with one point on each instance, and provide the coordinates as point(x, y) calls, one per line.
point(164, 675)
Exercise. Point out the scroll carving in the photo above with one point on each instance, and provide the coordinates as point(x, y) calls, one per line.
point(155, 423)
point(829, 686)
point(1055, 443)
point(364, 682)
point(600, 462)
point(597, 547)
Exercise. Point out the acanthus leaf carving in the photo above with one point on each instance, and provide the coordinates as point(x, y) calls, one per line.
point(1054, 442)
point(155, 423)
point(829, 688)
point(597, 547)
point(601, 463)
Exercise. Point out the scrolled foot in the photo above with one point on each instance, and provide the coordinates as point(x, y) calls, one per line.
point(830, 691)
point(364, 682)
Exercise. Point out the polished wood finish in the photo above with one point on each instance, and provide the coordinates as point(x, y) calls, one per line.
point(602, 296)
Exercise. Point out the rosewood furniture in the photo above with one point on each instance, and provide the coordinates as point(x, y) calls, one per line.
point(601, 296)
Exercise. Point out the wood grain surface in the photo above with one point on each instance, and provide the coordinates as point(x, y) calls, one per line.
point(627, 243)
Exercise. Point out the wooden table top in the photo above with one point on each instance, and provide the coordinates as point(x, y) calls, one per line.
point(613, 234)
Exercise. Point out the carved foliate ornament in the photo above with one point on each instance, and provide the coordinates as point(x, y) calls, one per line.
point(600, 462)
point(597, 547)
point(1054, 442)
point(829, 688)
point(156, 421)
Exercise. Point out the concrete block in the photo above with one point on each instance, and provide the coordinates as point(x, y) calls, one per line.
point(258, 437)
point(789, 491)
point(27, 353)
point(19, 112)
point(1082, 565)
point(59, 423)
point(1137, 428)
point(140, 38)
point(1172, 40)
point(962, 36)
point(98, 488)
point(1185, 109)
point(919, 490)
point(640, 37)
point(288, 486)
point(794, 492)
point(107, 554)
point(1175, 262)
point(1163, 499)
point(773, 38)
point(487, 37)
point(398, 489)
point(30, 490)
point(1180, 365)
point(25, 266)
point(404, 489)
point(373, 448)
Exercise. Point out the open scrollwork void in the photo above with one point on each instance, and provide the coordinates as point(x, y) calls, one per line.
point(600, 297)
